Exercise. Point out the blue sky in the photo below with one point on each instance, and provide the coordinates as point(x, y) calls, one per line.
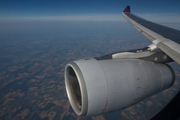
point(88, 10)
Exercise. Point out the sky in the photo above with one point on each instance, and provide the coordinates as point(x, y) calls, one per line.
point(88, 10)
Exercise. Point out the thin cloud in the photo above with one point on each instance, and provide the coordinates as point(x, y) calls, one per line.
point(157, 17)
point(81, 18)
point(96, 17)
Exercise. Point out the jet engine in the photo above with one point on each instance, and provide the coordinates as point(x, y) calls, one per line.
point(95, 87)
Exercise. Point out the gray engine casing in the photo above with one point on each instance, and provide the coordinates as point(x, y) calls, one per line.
point(96, 87)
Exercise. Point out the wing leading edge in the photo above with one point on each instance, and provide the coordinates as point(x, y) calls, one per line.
point(165, 38)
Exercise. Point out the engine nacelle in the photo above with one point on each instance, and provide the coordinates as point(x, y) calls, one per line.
point(96, 87)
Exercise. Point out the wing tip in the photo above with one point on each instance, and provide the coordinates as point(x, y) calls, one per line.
point(127, 9)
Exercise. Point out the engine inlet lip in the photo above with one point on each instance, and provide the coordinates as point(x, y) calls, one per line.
point(83, 90)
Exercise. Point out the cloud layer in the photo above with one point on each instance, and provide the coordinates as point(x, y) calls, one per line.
point(159, 17)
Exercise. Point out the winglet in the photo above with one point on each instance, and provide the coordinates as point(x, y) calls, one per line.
point(127, 9)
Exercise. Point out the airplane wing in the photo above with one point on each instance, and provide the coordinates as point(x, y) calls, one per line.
point(100, 85)
point(165, 38)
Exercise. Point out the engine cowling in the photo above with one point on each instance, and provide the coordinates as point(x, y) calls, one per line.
point(96, 87)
